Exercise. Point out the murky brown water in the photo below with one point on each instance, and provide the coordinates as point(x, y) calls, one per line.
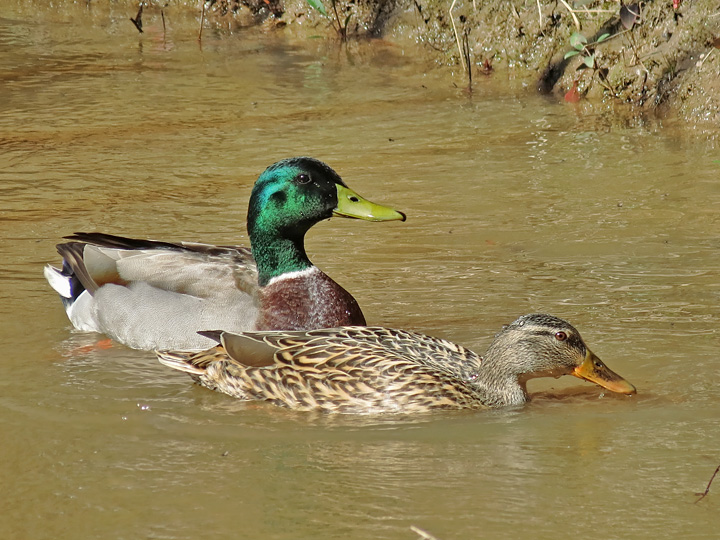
point(515, 205)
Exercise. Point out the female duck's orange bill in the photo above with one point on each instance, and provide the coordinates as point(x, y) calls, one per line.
point(593, 370)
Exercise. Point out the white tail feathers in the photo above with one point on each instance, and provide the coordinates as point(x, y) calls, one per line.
point(58, 281)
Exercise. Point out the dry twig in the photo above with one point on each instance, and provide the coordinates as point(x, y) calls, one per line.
point(202, 21)
point(707, 489)
point(572, 14)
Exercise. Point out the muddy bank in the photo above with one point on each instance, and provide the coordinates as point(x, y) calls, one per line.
point(657, 56)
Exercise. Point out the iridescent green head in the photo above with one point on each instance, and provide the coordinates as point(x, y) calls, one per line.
point(290, 197)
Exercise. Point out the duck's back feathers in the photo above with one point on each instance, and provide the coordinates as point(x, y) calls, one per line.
point(105, 258)
point(339, 347)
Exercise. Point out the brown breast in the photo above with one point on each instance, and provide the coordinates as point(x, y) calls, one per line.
point(305, 302)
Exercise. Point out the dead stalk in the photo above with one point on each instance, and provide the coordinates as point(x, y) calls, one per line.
point(457, 37)
point(572, 14)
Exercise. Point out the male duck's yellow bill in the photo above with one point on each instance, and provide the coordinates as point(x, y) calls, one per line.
point(593, 370)
point(352, 205)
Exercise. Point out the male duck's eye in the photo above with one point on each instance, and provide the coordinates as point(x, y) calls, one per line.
point(302, 178)
point(560, 336)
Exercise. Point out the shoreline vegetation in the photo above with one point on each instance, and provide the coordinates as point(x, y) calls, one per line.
point(659, 57)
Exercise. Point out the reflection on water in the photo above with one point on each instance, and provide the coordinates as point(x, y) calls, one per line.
point(515, 205)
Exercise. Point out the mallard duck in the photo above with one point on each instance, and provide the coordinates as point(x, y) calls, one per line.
point(374, 369)
point(157, 295)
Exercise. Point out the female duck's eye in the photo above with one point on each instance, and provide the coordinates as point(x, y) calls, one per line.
point(302, 178)
point(560, 336)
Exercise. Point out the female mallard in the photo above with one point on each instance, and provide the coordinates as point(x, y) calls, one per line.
point(158, 295)
point(356, 369)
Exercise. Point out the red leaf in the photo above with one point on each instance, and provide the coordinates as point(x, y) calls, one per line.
point(572, 95)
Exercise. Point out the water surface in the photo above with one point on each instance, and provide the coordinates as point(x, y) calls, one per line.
point(515, 204)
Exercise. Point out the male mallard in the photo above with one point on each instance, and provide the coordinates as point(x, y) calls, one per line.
point(357, 369)
point(158, 295)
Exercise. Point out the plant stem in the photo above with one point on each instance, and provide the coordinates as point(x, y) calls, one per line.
point(202, 20)
point(341, 31)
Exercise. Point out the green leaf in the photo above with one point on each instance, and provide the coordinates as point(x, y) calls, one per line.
point(570, 54)
point(602, 38)
point(577, 41)
point(347, 20)
point(590, 61)
point(318, 5)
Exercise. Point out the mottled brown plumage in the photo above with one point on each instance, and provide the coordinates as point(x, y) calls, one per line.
point(360, 370)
